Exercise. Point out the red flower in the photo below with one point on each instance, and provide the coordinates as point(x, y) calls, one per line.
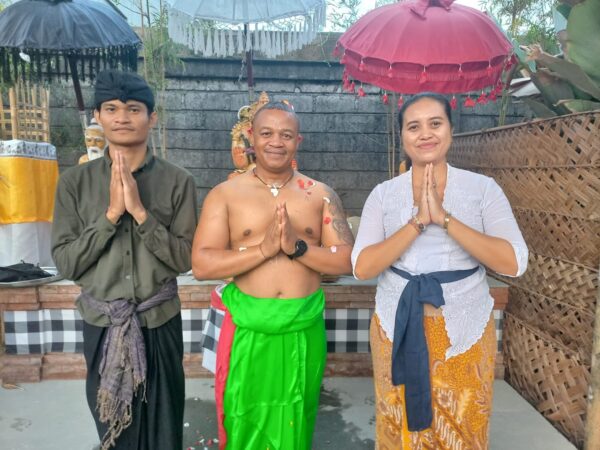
point(400, 102)
point(385, 99)
point(453, 103)
point(469, 102)
point(482, 99)
point(361, 92)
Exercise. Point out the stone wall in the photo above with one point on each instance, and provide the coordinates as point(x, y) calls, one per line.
point(346, 140)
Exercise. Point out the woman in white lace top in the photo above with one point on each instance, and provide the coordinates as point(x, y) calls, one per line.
point(426, 235)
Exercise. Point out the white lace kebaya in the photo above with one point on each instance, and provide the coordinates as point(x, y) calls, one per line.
point(473, 199)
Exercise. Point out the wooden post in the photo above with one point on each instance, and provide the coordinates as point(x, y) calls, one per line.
point(46, 114)
point(14, 122)
point(592, 424)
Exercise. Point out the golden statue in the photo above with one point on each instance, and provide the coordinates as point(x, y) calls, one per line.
point(241, 150)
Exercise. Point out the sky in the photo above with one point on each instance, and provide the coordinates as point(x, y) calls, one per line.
point(366, 5)
point(128, 7)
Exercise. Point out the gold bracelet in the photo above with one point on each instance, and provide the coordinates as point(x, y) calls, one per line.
point(415, 222)
point(447, 220)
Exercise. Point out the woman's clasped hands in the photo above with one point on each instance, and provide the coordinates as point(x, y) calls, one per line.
point(430, 204)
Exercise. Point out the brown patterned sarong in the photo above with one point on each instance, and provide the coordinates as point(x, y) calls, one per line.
point(461, 392)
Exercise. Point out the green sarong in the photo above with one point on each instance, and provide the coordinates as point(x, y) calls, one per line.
point(275, 370)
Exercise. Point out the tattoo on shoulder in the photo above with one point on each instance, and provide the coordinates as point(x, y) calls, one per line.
point(339, 222)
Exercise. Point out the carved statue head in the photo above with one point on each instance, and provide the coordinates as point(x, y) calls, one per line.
point(94, 140)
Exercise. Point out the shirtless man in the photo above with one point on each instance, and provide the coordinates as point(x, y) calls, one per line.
point(274, 231)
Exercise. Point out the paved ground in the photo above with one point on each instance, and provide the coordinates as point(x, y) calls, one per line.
point(53, 415)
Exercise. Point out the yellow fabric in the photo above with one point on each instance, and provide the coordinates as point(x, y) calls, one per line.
point(461, 393)
point(27, 188)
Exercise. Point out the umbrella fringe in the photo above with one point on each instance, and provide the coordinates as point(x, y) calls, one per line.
point(187, 30)
point(36, 65)
point(4, 63)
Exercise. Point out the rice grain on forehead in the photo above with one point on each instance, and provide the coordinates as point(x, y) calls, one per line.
point(423, 95)
point(278, 106)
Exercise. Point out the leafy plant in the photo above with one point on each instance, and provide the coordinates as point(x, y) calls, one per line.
point(525, 21)
point(343, 13)
point(159, 52)
point(569, 82)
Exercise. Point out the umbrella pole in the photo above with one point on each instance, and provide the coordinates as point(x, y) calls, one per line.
point(249, 67)
point(78, 96)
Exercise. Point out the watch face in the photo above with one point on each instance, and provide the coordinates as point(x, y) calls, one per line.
point(301, 248)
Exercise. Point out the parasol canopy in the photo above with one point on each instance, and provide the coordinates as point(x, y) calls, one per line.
point(46, 39)
point(425, 45)
point(229, 27)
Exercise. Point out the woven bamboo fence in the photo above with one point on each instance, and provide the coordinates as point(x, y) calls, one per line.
point(27, 116)
point(550, 172)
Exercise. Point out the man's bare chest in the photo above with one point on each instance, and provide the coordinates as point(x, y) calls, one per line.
point(250, 216)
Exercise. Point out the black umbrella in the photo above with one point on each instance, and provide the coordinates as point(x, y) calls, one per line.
point(46, 39)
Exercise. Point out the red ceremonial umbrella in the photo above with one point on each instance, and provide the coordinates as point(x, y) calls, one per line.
point(425, 45)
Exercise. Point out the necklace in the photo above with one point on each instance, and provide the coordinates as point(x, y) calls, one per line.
point(273, 187)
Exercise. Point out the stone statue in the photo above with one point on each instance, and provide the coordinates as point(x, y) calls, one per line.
point(94, 142)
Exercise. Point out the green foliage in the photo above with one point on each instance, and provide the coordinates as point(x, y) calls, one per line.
point(343, 13)
point(570, 82)
point(526, 21)
point(583, 30)
point(159, 52)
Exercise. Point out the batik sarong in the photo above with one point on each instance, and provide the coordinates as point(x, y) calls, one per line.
point(461, 392)
point(270, 362)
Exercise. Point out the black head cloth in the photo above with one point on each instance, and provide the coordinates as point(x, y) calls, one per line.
point(123, 86)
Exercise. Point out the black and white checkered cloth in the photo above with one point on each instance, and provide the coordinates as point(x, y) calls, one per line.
point(43, 331)
point(60, 330)
point(348, 330)
point(193, 321)
point(210, 341)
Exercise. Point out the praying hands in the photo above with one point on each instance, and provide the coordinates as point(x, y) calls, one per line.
point(124, 194)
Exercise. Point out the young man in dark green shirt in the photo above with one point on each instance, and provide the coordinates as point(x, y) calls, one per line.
point(123, 230)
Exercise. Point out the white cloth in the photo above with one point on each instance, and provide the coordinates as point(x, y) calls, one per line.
point(473, 199)
point(28, 241)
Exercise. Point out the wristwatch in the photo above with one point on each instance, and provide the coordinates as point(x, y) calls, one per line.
point(300, 249)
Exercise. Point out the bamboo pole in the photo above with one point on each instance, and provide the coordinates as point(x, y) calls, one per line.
point(14, 123)
point(592, 424)
point(46, 114)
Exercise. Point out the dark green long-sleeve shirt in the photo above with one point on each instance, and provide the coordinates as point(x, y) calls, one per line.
point(125, 260)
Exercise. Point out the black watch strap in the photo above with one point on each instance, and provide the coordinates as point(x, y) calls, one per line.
point(300, 249)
